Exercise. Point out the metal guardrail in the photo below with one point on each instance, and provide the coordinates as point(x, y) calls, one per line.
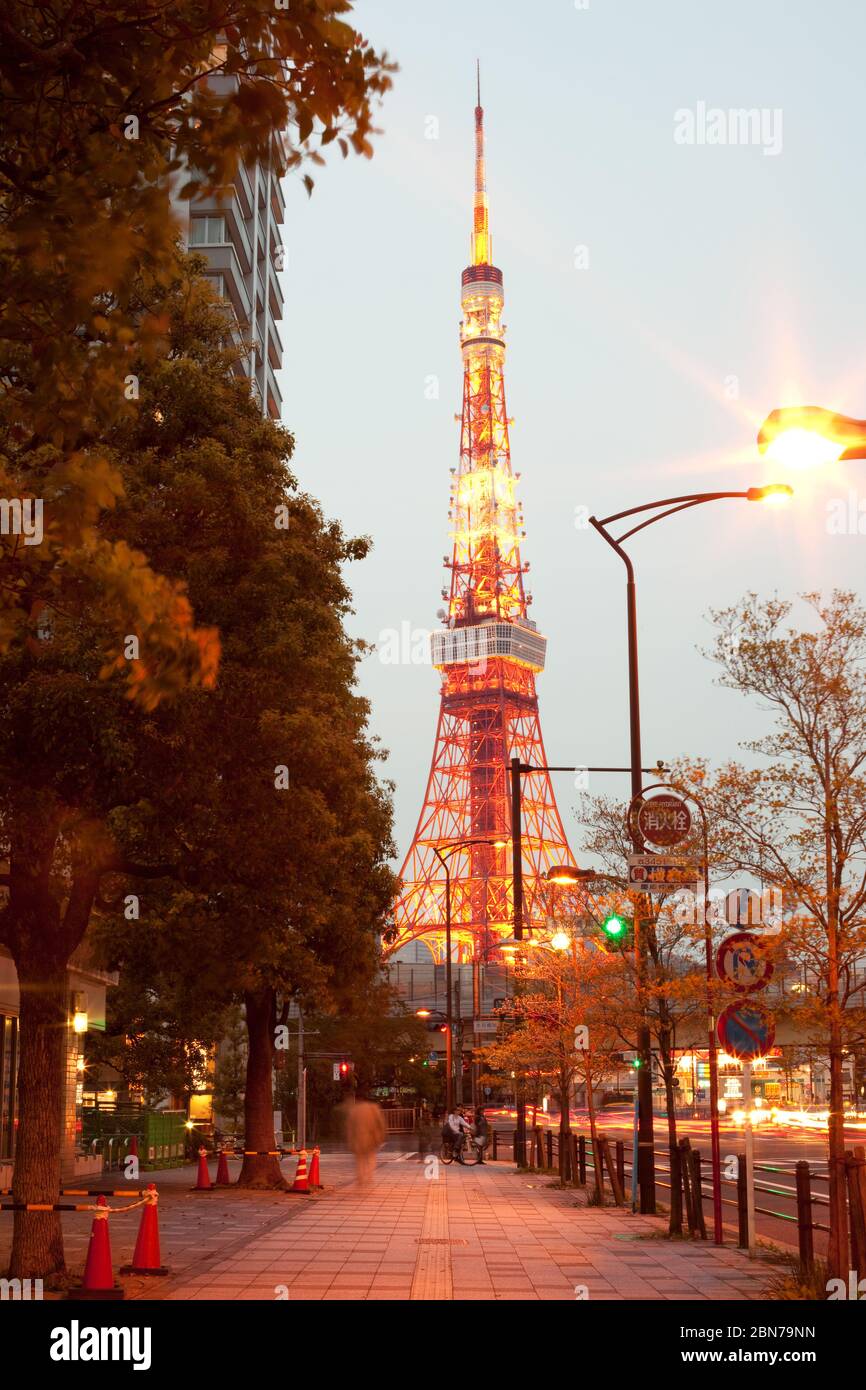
point(401, 1119)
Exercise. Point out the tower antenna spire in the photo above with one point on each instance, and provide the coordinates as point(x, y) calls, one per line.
point(481, 220)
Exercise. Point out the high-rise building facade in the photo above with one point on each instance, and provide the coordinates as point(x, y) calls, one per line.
point(238, 231)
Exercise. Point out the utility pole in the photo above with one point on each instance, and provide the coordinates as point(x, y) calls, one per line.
point(517, 889)
point(458, 1016)
point(750, 1159)
point(302, 1085)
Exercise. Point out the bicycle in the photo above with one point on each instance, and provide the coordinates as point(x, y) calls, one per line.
point(452, 1147)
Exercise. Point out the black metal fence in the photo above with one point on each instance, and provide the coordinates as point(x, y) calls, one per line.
point(797, 1196)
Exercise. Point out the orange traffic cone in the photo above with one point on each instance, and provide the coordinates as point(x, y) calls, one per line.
point(203, 1182)
point(301, 1183)
point(314, 1169)
point(145, 1258)
point(98, 1281)
point(222, 1177)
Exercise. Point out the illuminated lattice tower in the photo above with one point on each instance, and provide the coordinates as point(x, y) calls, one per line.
point(489, 654)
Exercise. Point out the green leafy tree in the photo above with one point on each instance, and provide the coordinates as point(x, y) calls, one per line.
point(230, 1070)
point(273, 799)
point(247, 880)
point(160, 1031)
point(104, 109)
point(371, 1028)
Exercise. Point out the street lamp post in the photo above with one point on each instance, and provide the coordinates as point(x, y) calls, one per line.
point(664, 507)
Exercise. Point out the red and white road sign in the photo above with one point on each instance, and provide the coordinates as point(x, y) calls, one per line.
point(664, 820)
point(742, 961)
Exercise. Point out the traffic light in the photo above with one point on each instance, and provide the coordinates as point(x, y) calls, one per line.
point(618, 932)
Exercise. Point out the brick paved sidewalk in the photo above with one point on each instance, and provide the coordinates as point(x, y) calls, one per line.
point(484, 1233)
point(476, 1233)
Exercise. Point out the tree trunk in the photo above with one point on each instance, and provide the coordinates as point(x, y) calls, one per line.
point(593, 1131)
point(37, 1242)
point(564, 1123)
point(261, 1169)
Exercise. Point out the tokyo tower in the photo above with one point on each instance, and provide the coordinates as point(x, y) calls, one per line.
point(489, 654)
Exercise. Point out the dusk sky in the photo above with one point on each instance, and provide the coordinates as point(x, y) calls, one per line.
point(661, 298)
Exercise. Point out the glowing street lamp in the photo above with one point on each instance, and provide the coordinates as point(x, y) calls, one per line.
point(567, 874)
point(807, 436)
point(774, 494)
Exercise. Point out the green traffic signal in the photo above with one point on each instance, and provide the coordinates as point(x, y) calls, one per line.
point(617, 930)
point(614, 925)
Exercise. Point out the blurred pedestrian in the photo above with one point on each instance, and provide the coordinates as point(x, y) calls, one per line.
point(365, 1133)
point(426, 1133)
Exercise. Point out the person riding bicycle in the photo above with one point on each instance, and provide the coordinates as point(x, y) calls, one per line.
point(457, 1126)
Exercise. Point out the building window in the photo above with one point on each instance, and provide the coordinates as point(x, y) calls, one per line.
point(219, 285)
point(207, 231)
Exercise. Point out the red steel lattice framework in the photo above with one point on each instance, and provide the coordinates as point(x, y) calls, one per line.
point(488, 654)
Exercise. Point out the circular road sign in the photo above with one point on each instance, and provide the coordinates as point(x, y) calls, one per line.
point(664, 820)
point(741, 961)
point(746, 1031)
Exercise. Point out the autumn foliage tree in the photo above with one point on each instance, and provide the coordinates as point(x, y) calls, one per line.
point(794, 819)
point(555, 1031)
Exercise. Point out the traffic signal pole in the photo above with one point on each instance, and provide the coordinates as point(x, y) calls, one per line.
point(449, 997)
point(517, 889)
